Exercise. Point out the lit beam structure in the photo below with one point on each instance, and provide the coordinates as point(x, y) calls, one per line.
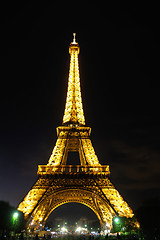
point(59, 183)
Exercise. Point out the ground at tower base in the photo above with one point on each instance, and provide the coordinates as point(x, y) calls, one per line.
point(12, 226)
point(92, 236)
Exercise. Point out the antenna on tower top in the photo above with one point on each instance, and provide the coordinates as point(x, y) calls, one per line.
point(74, 37)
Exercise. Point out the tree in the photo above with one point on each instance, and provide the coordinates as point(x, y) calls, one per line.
point(126, 225)
point(7, 219)
point(148, 216)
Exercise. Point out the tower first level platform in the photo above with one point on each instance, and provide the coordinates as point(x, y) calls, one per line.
point(83, 184)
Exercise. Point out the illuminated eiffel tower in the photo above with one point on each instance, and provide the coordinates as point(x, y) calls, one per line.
point(88, 183)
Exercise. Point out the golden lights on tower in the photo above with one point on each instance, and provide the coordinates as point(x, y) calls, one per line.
point(87, 183)
point(73, 109)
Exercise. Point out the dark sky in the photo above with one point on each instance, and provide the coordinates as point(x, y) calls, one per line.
point(119, 70)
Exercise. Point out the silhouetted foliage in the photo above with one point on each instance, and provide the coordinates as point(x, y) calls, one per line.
point(5, 215)
point(7, 222)
point(126, 225)
point(148, 216)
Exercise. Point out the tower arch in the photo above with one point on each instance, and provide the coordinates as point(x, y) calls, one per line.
point(92, 200)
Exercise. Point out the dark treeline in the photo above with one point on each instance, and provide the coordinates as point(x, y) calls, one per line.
point(8, 221)
point(148, 216)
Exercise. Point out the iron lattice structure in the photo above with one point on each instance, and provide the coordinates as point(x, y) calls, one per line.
point(59, 183)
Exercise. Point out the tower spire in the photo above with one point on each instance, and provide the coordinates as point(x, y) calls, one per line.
point(74, 37)
point(73, 113)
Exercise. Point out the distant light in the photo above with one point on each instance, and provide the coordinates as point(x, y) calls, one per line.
point(94, 233)
point(106, 231)
point(116, 219)
point(78, 229)
point(15, 215)
point(137, 224)
point(107, 225)
point(63, 229)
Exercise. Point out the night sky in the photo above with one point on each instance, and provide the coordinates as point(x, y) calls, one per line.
point(119, 70)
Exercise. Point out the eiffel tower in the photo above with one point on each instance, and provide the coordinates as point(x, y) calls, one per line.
point(59, 183)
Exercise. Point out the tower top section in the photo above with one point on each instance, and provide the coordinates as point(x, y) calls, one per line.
point(74, 45)
point(73, 113)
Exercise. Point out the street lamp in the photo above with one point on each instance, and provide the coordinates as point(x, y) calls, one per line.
point(15, 217)
point(117, 224)
point(116, 220)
